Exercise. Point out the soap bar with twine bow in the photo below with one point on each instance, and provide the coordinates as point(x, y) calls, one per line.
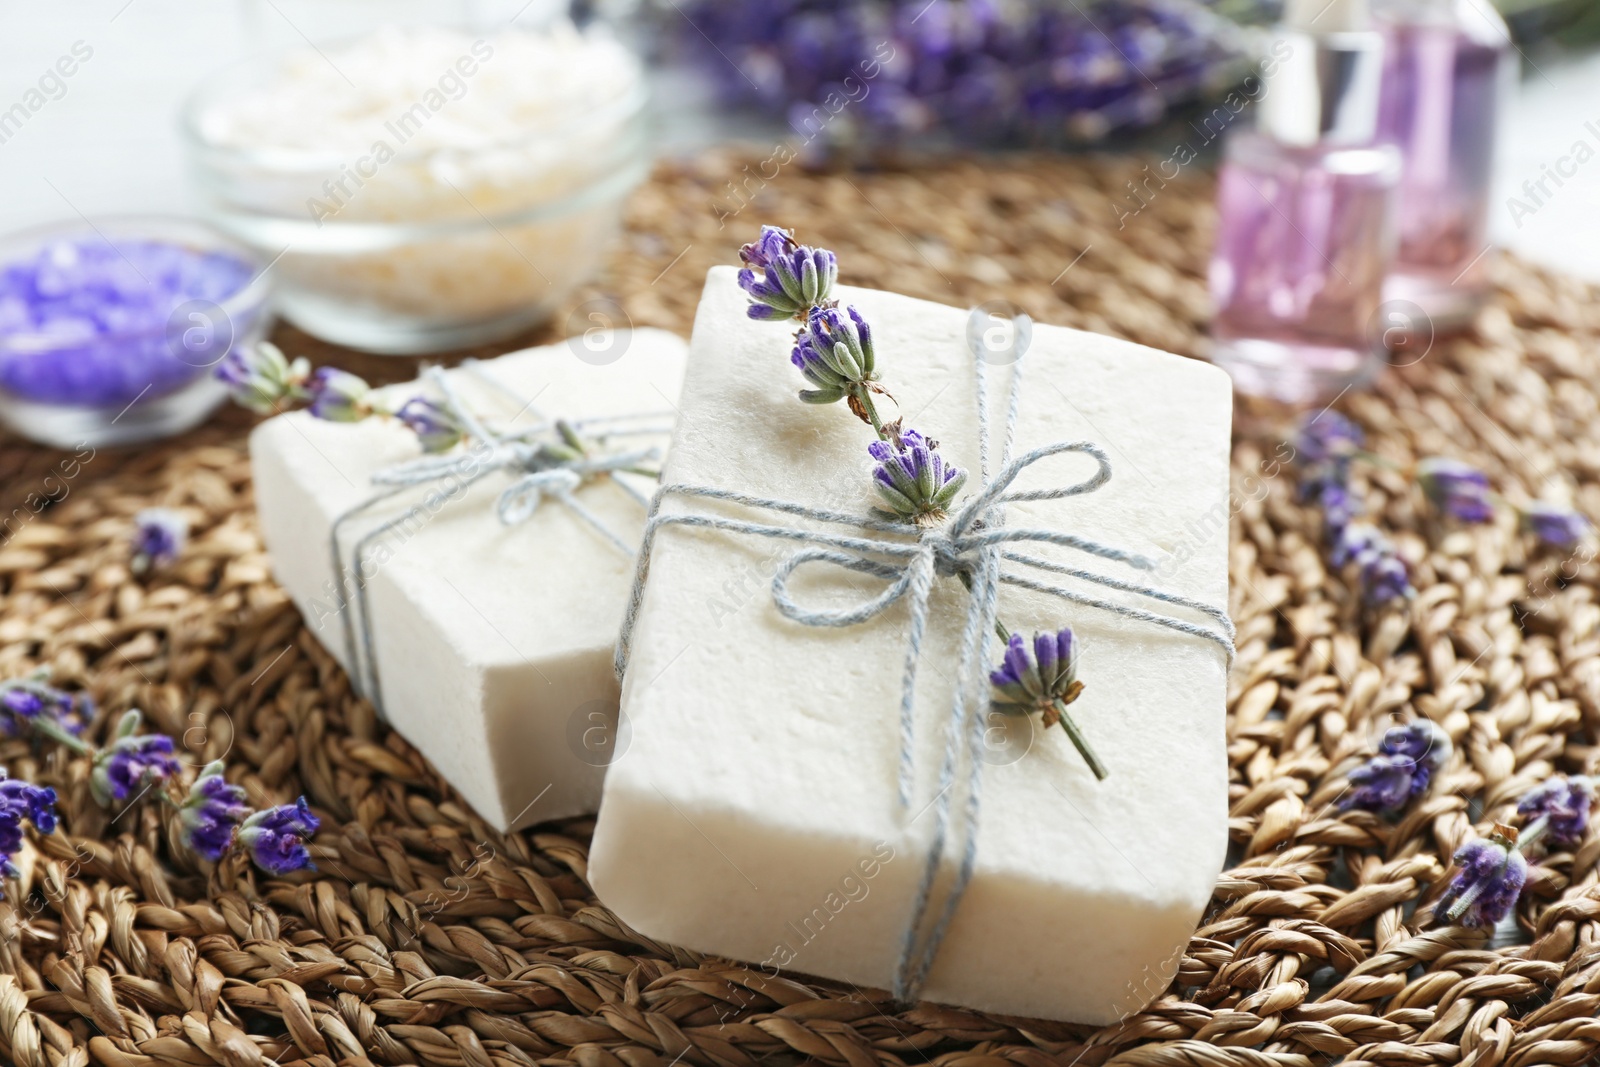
point(867, 622)
point(494, 562)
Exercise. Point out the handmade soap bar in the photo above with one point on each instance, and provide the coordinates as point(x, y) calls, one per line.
point(492, 643)
point(755, 814)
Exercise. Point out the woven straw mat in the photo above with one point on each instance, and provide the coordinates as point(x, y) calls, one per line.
point(1319, 944)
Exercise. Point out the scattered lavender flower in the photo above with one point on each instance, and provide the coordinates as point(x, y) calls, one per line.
point(339, 396)
point(1491, 878)
point(21, 801)
point(834, 352)
point(434, 425)
point(1330, 437)
point(794, 277)
point(1383, 575)
point(159, 535)
point(131, 762)
point(912, 478)
point(211, 813)
point(1553, 525)
point(275, 837)
point(24, 700)
point(1408, 757)
point(260, 377)
point(1458, 490)
point(1558, 809)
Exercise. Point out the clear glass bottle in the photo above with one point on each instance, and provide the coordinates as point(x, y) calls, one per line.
point(1447, 64)
point(1306, 214)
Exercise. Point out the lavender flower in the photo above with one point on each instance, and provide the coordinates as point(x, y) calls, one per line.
point(1045, 681)
point(913, 479)
point(24, 702)
point(1460, 491)
point(1330, 437)
point(1552, 524)
point(131, 762)
point(339, 396)
point(260, 377)
point(1408, 757)
point(21, 801)
point(1024, 683)
point(1490, 879)
point(435, 425)
point(1557, 808)
point(794, 277)
point(1383, 575)
point(275, 838)
point(211, 813)
point(835, 354)
point(159, 535)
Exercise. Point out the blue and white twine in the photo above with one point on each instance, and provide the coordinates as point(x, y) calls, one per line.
point(971, 543)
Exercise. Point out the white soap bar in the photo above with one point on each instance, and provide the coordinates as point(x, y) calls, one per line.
point(493, 643)
point(754, 815)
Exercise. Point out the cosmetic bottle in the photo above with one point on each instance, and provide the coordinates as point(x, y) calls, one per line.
point(1306, 214)
point(1447, 69)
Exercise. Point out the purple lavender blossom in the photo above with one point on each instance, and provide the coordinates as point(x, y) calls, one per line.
point(260, 377)
point(159, 535)
point(21, 801)
point(131, 762)
point(24, 701)
point(1383, 575)
point(1408, 757)
point(1558, 809)
point(1458, 490)
point(339, 396)
point(794, 277)
point(912, 478)
point(1491, 876)
point(1328, 437)
point(867, 77)
point(834, 352)
point(275, 838)
point(1553, 525)
point(212, 812)
point(435, 426)
point(1035, 682)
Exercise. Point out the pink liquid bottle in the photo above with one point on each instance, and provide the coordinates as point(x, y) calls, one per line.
point(1306, 206)
point(1447, 65)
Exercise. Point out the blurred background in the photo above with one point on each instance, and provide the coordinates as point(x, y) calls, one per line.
point(419, 177)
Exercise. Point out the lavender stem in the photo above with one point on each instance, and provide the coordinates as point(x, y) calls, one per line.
point(1080, 742)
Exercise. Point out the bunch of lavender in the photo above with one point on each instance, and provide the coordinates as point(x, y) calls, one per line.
point(1329, 445)
point(262, 379)
point(834, 352)
point(212, 812)
point(870, 75)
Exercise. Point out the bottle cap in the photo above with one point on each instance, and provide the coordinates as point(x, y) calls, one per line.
point(1326, 91)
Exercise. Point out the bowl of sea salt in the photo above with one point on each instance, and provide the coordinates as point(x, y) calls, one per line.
point(420, 189)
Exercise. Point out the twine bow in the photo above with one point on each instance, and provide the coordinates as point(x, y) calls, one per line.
point(542, 473)
point(973, 544)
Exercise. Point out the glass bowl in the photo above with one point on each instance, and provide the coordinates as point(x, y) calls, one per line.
point(139, 311)
point(405, 251)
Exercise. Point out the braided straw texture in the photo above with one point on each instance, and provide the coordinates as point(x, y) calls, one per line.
point(427, 938)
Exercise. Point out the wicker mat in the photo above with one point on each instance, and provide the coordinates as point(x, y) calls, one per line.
point(427, 938)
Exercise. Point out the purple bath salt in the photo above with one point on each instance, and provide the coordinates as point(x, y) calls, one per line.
point(96, 322)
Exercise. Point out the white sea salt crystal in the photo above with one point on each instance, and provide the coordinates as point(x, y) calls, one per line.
point(493, 642)
point(754, 814)
point(501, 162)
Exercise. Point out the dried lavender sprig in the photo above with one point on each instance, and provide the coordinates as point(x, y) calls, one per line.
point(1493, 872)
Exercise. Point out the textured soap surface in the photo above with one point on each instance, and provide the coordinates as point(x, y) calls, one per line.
point(493, 643)
point(754, 814)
